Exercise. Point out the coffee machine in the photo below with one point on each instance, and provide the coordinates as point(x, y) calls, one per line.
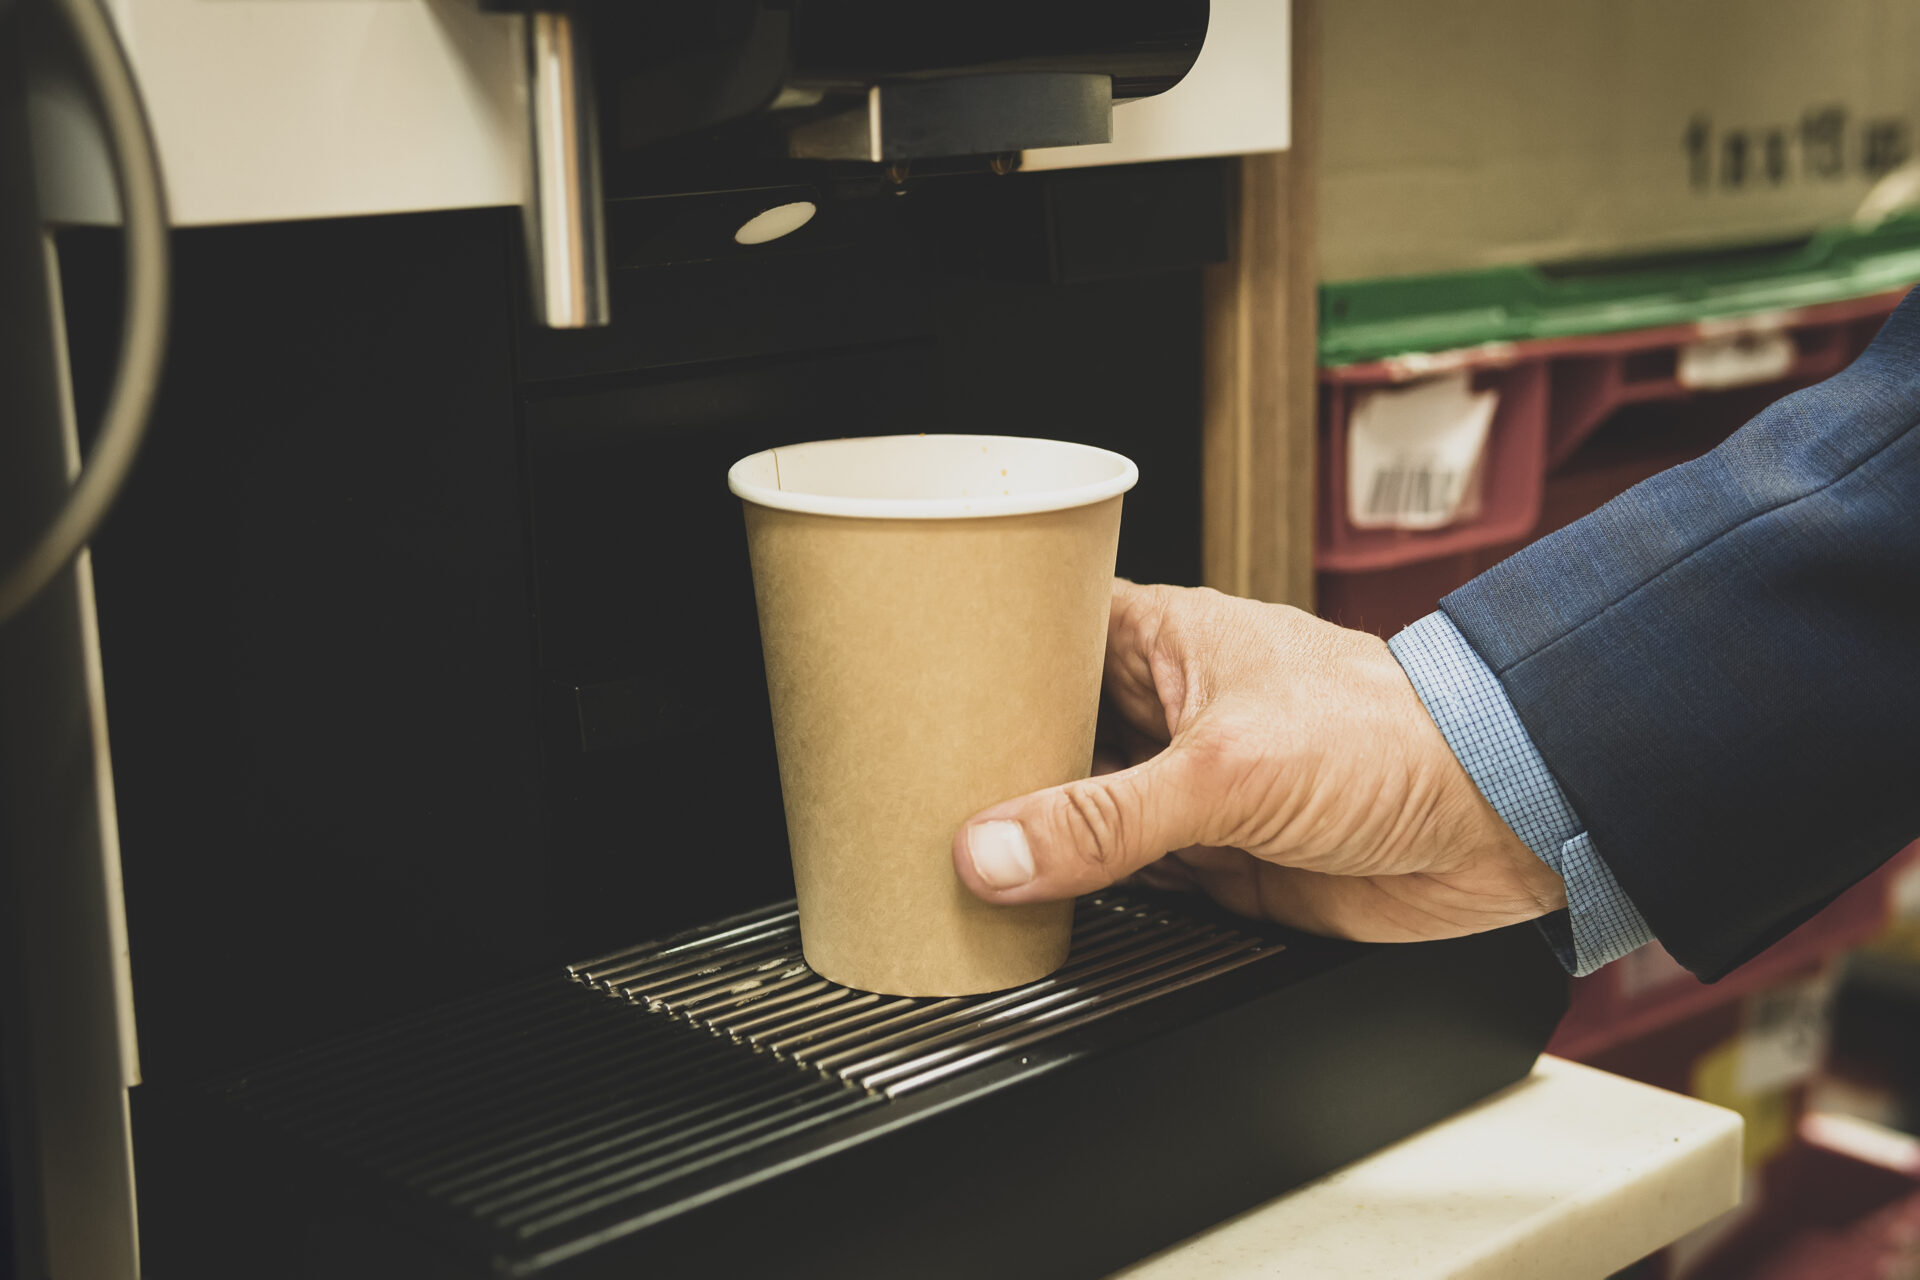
point(437, 855)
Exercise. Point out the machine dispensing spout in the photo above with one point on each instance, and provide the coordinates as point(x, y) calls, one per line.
point(565, 217)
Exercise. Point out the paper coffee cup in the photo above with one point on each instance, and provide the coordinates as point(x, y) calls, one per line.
point(933, 610)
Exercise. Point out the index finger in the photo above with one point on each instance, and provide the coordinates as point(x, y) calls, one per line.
point(1133, 628)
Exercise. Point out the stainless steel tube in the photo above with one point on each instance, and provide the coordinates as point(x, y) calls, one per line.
point(565, 220)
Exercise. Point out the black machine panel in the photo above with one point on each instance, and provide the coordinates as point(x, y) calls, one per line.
point(317, 631)
point(388, 544)
point(718, 93)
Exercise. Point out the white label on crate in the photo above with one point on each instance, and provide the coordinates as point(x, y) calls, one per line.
point(1864, 1140)
point(1734, 360)
point(1414, 453)
point(1783, 1033)
point(1905, 908)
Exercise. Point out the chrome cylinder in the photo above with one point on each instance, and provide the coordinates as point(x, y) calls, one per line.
point(565, 218)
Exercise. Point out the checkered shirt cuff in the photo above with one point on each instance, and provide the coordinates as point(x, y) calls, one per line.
point(1477, 719)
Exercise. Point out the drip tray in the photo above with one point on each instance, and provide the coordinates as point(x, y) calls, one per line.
point(707, 1105)
point(747, 981)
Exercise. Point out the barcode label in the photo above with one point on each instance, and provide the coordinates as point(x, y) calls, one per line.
point(1783, 1034)
point(1407, 490)
point(1414, 454)
point(1734, 360)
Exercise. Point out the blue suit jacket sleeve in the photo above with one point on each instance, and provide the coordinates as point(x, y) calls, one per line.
point(1722, 665)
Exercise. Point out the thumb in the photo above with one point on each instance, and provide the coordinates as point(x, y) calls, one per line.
point(1085, 835)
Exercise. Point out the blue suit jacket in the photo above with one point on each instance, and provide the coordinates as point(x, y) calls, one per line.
point(1722, 665)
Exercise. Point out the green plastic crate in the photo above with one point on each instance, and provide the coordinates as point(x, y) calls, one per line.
point(1365, 320)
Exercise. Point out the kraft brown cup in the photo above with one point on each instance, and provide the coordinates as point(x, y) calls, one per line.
point(933, 611)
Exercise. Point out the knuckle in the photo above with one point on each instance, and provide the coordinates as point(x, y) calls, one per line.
point(1096, 826)
point(1164, 599)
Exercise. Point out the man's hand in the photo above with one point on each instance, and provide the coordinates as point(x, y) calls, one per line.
point(1282, 764)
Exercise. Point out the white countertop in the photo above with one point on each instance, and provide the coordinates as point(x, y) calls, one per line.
point(1572, 1173)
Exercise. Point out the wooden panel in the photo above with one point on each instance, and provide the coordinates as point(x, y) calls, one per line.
point(1258, 463)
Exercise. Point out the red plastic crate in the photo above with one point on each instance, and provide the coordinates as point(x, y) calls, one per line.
point(1842, 1203)
point(1554, 394)
point(1697, 1055)
point(1646, 991)
point(1593, 377)
point(1813, 1197)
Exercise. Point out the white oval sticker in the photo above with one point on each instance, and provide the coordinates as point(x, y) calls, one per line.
point(781, 220)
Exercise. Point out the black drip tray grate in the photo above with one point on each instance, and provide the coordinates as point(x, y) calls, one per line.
point(746, 980)
point(538, 1114)
point(707, 1103)
point(532, 1111)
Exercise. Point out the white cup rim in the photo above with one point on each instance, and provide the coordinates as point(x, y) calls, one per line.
point(1125, 476)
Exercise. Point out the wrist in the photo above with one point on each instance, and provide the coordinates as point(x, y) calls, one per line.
point(1484, 846)
point(1538, 882)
